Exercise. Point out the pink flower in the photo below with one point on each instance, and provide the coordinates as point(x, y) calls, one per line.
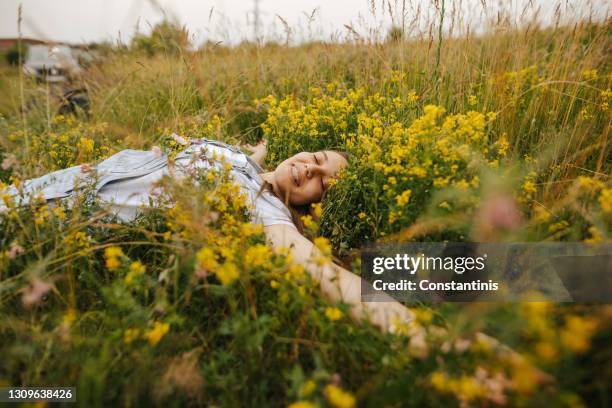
point(498, 214)
point(179, 139)
point(157, 151)
point(9, 161)
point(336, 379)
point(15, 250)
point(35, 292)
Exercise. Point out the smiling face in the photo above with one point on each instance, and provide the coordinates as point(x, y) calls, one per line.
point(303, 178)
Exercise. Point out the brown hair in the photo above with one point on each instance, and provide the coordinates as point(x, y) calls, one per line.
point(298, 211)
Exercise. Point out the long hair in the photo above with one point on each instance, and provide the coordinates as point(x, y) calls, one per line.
point(298, 211)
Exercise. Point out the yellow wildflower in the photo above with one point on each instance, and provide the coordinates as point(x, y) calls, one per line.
point(524, 376)
point(206, 259)
point(333, 313)
point(302, 404)
point(439, 380)
point(589, 74)
point(296, 271)
point(577, 333)
point(605, 200)
point(158, 331)
point(323, 245)
point(227, 273)
point(136, 269)
point(59, 213)
point(248, 229)
point(257, 255)
point(317, 209)
point(469, 388)
point(130, 335)
point(558, 226)
point(337, 397)
point(546, 351)
point(589, 183)
point(412, 97)
point(445, 205)
point(307, 221)
point(308, 388)
point(418, 172)
point(502, 145)
point(112, 255)
point(596, 236)
point(529, 187)
point(403, 198)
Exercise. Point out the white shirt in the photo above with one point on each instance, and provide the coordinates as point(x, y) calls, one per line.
point(126, 196)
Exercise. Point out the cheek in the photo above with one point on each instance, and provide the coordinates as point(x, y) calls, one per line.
point(305, 194)
point(281, 177)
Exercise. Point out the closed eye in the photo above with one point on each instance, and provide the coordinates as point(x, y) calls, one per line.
point(322, 184)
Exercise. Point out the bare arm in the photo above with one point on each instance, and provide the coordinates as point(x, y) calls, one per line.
point(339, 284)
point(258, 152)
point(336, 283)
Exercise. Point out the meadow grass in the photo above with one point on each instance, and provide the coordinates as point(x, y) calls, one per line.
point(187, 305)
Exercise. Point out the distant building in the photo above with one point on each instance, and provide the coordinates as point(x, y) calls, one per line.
point(7, 43)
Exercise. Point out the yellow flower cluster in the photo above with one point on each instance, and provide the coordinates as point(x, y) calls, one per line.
point(216, 215)
point(551, 340)
point(136, 269)
point(396, 148)
point(257, 255)
point(337, 397)
point(466, 388)
point(68, 143)
point(155, 334)
point(113, 256)
point(77, 241)
point(333, 313)
point(605, 200)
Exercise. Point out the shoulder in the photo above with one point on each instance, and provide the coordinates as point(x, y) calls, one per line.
point(269, 210)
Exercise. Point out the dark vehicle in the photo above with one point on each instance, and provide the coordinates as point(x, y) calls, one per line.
point(58, 65)
point(51, 63)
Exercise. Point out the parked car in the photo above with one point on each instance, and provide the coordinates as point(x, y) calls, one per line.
point(51, 63)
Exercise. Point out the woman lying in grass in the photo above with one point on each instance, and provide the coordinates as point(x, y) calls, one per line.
point(127, 181)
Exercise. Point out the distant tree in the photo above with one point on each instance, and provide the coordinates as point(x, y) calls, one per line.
point(166, 37)
point(12, 54)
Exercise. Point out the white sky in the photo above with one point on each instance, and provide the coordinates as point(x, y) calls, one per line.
point(232, 20)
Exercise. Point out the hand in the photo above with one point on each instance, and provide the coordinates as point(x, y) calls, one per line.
point(258, 149)
point(389, 315)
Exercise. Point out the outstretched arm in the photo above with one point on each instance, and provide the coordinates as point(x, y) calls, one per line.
point(258, 152)
point(336, 283)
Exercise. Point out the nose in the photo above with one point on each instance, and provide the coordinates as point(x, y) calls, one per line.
point(313, 170)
